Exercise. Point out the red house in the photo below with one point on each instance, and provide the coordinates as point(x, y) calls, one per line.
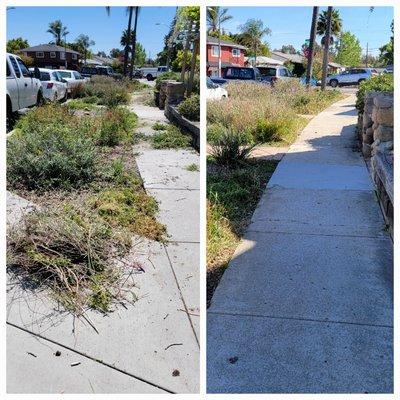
point(232, 55)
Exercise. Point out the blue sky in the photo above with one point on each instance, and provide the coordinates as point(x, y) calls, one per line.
point(291, 25)
point(32, 23)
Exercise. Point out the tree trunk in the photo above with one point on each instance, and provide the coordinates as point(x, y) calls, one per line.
point(326, 48)
point(126, 55)
point(134, 43)
point(313, 31)
point(193, 63)
point(187, 44)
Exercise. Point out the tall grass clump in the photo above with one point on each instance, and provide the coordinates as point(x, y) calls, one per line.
point(49, 150)
point(190, 108)
point(72, 253)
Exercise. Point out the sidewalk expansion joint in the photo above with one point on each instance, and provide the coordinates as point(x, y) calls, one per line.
point(379, 237)
point(181, 295)
point(93, 359)
point(298, 319)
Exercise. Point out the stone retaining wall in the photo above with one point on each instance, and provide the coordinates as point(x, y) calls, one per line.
point(377, 144)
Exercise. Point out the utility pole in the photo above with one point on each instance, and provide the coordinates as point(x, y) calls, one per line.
point(313, 32)
point(65, 50)
point(219, 45)
point(326, 48)
point(366, 57)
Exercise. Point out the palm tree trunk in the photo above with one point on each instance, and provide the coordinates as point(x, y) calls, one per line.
point(326, 48)
point(193, 63)
point(312, 45)
point(134, 43)
point(126, 55)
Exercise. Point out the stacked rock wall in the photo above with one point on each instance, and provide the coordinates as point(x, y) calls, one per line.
point(377, 144)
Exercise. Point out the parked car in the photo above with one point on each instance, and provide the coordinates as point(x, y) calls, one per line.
point(274, 73)
point(53, 85)
point(242, 73)
point(151, 73)
point(215, 91)
point(352, 76)
point(88, 72)
point(23, 90)
point(73, 78)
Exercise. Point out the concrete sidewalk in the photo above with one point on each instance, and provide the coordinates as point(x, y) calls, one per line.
point(306, 303)
point(151, 347)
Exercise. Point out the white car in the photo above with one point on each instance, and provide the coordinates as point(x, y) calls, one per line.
point(151, 73)
point(54, 87)
point(23, 88)
point(215, 91)
point(73, 78)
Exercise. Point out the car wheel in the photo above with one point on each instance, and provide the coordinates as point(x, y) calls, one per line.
point(334, 83)
point(40, 99)
point(149, 77)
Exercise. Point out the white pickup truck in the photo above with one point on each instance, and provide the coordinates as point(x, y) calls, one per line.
point(151, 73)
point(23, 88)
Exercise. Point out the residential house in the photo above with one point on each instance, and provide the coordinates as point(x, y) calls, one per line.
point(53, 56)
point(232, 55)
point(297, 60)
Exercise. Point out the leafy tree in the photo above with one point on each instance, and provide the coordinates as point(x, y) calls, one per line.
point(125, 39)
point(13, 45)
point(84, 42)
point(178, 62)
point(58, 30)
point(288, 49)
point(386, 51)
point(115, 53)
point(336, 25)
point(348, 50)
point(101, 54)
point(216, 16)
point(140, 55)
point(253, 31)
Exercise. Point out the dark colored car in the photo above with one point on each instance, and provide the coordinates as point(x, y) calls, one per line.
point(218, 80)
point(88, 72)
point(242, 74)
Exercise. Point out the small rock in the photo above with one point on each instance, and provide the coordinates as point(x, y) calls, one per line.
point(57, 353)
point(233, 360)
point(175, 372)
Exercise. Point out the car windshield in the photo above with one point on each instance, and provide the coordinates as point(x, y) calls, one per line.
point(267, 71)
point(240, 73)
point(65, 74)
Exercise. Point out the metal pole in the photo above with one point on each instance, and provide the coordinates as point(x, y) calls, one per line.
point(219, 45)
point(313, 32)
point(326, 48)
point(65, 50)
point(366, 57)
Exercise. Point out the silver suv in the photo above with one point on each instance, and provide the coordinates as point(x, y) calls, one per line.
point(352, 76)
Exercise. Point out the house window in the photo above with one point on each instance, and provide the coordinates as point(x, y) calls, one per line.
point(235, 53)
point(62, 55)
point(214, 51)
point(74, 56)
point(52, 54)
point(39, 54)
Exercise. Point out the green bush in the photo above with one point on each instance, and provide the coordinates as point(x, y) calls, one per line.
point(116, 125)
point(172, 138)
point(379, 83)
point(190, 108)
point(166, 76)
point(231, 149)
point(50, 155)
point(109, 92)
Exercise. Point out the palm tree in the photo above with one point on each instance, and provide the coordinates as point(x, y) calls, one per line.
point(125, 40)
point(137, 9)
point(84, 42)
point(336, 25)
point(253, 31)
point(57, 29)
point(215, 17)
point(129, 11)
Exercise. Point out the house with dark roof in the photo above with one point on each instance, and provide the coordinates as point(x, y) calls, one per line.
point(53, 56)
point(232, 55)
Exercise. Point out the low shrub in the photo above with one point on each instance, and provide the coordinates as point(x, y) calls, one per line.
point(190, 108)
point(166, 76)
point(159, 126)
point(54, 153)
point(379, 83)
point(87, 103)
point(77, 91)
point(172, 138)
point(108, 91)
point(231, 149)
point(116, 125)
point(70, 251)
